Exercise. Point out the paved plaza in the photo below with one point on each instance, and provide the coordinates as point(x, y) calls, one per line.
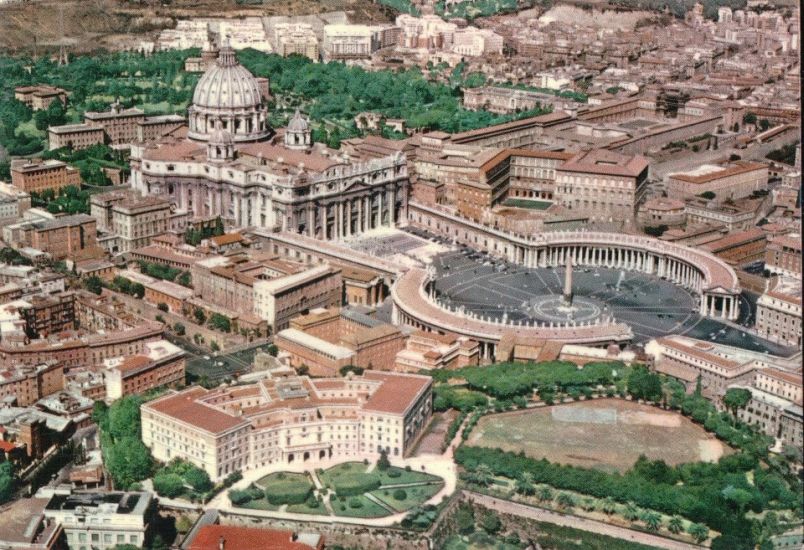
point(651, 306)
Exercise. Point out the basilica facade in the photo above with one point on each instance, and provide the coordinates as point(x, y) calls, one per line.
point(229, 162)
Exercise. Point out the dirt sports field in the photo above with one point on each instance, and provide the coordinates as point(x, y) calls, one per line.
point(608, 434)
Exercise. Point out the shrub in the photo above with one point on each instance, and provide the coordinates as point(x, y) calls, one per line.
point(393, 472)
point(355, 503)
point(239, 497)
point(168, 485)
point(198, 479)
point(400, 494)
point(356, 485)
point(288, 492)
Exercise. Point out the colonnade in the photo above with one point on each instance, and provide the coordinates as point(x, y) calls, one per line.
point(350, 215)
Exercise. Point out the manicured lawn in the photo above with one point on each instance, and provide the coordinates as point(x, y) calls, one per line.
point(285, 479)
point(386, 477)
point(415, 496)
point(367, 508)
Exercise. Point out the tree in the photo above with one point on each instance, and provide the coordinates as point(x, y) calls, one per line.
point(652, 520)
point(179, 329)
point(6, 481)
point(465, 519)
point(736, 399)
point(643, 384)
point(198, 479)
point(162, 306)
point(400, 494)
point(483, 475)
point(220, 322)
point(128, 460)
point(185, 279)
point(749, 118)
point(138, 290)
point(491, 523)
point(524, 485)
point(708, 195)
point(94, 284)
point(199, 315)
point(273, 350)
point(675, 525)
point(698, 531)
point(565, 500)
point(383, 463)
point(168, 485)
point(213, 345)
point(631, 512)
point(609, 506)
point(545, 494)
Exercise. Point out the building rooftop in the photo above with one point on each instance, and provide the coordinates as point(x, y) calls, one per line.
point(231, 537)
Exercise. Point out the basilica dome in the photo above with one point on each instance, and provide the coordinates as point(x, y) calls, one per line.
point(228, 96)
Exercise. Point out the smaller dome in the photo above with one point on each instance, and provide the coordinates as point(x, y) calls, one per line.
point(298, 123)
point(219, 136)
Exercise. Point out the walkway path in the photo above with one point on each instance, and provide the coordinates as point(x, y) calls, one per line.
point(584, 524)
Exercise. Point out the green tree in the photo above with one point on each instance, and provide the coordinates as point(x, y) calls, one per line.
point(675, 525)
point(383, 463)
point(652, 520)
point(213, 345)
point(491, 523)
point(698, 531)
point(168, 485)
point(137, 290)
point(273, 350)
point(545, 494)
point(565, 500)
point(465, 519)
point(198, 479)
point(179, 329)
point(6, 481)
point(736, 399)
point(609, 506)
point(128, 461)
point(94, 284)
point(162, 306)
point(643, 384)
point(220, 322)
point(200, 316)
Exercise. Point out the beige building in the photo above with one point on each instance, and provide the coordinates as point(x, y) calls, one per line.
point(74, 136)
point(280, 299)
point(783, 255)
point(603, 185)
point(687, 359)
point(779, 312)
point(40, 97)
point(289, 420)
point(295, 38)
point(732, 182)
point(662, 211)
point(130, 221)
point(425, 351)
point(100, 521)
point(161, 364)
point(474, 42)
point(327, 339)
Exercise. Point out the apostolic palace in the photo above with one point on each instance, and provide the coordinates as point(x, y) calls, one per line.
point(231, 163)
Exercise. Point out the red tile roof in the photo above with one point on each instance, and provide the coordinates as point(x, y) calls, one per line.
point(209, 537)
point(397, 392)
point(601, 161)
point(184, 407)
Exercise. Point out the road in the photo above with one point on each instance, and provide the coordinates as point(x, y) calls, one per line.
point(540, 514)
point(216, 367)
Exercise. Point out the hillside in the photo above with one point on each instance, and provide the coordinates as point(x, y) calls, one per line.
point(35, 26)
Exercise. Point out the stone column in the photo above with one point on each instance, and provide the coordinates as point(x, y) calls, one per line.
point(359, 227)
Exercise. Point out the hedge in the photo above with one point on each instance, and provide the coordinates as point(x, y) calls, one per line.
point(349, 486)
point(292, 492)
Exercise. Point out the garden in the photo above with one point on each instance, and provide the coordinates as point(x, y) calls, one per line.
point(349, 489)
